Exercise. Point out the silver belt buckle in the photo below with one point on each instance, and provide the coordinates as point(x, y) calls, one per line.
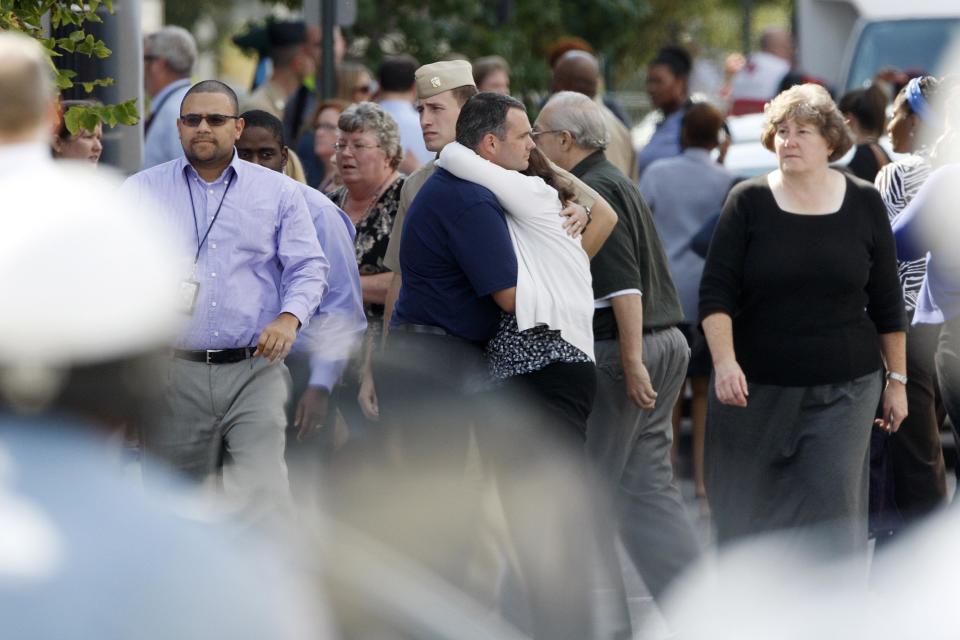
point(209, 351)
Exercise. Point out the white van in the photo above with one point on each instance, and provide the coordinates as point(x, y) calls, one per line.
point(846, 42)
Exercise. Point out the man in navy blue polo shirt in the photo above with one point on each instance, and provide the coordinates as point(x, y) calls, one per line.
point(460, 272)
point(458, 261)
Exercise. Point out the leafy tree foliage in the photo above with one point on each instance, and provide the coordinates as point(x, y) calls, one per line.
point(28, 16)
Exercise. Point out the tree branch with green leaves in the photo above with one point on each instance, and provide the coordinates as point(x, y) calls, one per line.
point(37, 19)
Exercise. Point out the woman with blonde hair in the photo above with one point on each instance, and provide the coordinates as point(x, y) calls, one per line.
point(802, 309)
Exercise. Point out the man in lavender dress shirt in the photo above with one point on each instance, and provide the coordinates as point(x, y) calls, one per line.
point(255, 275)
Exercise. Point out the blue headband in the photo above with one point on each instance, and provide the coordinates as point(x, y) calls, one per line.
point(916, 100)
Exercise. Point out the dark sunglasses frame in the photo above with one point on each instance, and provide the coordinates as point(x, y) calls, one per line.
point(193, 120)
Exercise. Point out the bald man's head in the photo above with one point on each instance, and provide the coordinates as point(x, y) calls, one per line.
point(778, 42)
point(27, 90)
point(576, 71)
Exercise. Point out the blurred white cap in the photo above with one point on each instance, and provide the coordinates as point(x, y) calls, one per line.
point(84, 277)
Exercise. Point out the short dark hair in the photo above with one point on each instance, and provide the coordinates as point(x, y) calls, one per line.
point(265, 120)
point(213, 86)
point(676, 59)
point(398, 73)
point(868, 106)
point(484, 113)
point(701, 125)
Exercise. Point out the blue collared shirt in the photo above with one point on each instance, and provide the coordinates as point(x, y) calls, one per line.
point(162, 142)
point(665, 142)
point(340, 321)
point(262, 256)
point(683, 192)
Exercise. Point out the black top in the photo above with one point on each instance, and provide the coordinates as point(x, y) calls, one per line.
point(632, 257)
point(864, 163)
point(808, 294)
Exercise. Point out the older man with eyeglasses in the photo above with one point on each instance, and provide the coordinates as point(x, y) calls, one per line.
point(254, 274)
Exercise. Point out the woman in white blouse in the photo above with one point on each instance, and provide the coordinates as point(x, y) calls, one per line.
point(551, 334)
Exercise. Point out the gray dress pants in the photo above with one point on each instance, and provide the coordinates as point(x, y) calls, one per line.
point(210, 411)
point(630, 448)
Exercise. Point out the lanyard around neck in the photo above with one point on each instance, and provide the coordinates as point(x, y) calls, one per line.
point(202, 241)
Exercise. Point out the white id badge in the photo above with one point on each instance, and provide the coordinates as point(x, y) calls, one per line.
point(187, 296)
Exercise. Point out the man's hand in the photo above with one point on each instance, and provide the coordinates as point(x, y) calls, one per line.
point(894, 401)
point(576, 219)
point(730, 384)
point(311, 411)
point(277, 338)
point(368, 396)
point(639, 388)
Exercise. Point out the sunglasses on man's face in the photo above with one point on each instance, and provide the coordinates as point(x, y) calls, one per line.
point(193, 120)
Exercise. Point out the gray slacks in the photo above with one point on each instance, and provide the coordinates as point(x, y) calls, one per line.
point(212, 410)
point(630, 448)
point(794, 460)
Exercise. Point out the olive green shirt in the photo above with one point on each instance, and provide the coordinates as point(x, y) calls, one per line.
point(632, 257)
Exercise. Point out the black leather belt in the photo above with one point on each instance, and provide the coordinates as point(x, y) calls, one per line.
point(425, 329)
point(215, 356)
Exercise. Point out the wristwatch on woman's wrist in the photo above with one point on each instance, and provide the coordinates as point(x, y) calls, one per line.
point(589, 216)
point(898, 377)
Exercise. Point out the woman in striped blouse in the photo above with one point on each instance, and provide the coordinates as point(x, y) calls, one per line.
point(908, 469)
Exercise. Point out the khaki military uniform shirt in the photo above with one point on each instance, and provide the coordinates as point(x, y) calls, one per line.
point(267, 98)
point(620, 152)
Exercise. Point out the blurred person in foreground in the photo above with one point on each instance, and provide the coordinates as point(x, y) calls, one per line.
point(369, 154)
point(641, 355)
point(914, 456)
point(398, 92)
point(67, 389)
point(683, 192)
point(323, 348)
point(85, 145)
point(802, 308)
point(492, 73)
point(579, 71)
point(927, 227)
point(668, 77)
point(324, 122)
point(253, 275)
point(168, 58)
point(865, 111)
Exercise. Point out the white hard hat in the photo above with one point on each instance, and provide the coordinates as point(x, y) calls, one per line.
point(84, 277)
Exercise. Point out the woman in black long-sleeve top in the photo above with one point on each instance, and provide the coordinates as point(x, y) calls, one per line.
point(802, 308)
